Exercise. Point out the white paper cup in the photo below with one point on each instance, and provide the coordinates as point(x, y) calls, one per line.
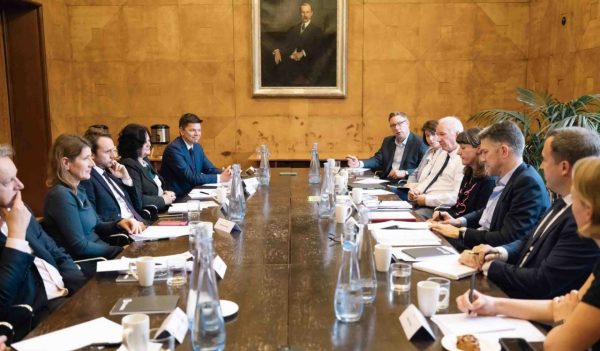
point(383, 256)
point(136, 332)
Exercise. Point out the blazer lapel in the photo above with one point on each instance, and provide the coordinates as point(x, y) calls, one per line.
point(505, 191)
point(100, 179)
point(408, 150)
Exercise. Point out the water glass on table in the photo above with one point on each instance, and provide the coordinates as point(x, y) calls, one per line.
point(176, 272)
point(194, 209)
point(400, 274)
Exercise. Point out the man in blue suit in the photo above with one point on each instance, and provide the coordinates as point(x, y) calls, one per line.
point(399, 154)
point(184, 164)
point(110, 188)
point(553, 259)
point(33, 269)
point(516, 203)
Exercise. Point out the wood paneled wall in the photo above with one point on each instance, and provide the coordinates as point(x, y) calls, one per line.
point(565, 59)
point(122, 61)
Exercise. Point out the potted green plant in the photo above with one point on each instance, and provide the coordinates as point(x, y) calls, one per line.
point(544, 114)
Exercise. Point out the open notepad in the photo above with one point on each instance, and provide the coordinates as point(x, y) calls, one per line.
point(445, 266)
point(402, 237)
point(379, 216)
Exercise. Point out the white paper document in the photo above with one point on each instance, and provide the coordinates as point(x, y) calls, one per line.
point(401, 237)
point(391, 215)
point(376, 192)
point(157, 232)
point(181, 207)
point(197, 194)
point(403, 205)
point(496, 327)
point(399, 225)
point(100, 330)
point(371, 181)
point(445, 266)
point(122, 264)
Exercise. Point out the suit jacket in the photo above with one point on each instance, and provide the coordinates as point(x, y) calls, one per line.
point(71, 220)
point(180, 173)
point(476, 198)
point(104, 201)
point(383, 158)
point(20, 281)
point(560, 261)
point(308, 41)
point(145, 187)
point(521, 205)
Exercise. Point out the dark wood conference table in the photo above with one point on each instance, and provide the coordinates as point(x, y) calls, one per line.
point(282, 271)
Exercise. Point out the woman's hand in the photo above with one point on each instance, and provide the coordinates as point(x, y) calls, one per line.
point(482, 305)
point(562, 306)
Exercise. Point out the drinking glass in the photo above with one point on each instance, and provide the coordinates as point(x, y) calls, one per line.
point(176, 272)
point(400, 276)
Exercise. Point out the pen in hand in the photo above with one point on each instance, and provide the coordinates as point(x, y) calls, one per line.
point(471, 288)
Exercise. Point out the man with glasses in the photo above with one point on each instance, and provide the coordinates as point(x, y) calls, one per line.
point(398, 155)
point(110, 189)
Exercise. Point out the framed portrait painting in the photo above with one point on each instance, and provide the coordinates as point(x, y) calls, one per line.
point(299, 48)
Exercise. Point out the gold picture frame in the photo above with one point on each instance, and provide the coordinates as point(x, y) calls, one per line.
point(299, 48)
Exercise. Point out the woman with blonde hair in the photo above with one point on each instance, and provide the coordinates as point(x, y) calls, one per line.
point(576, 315)
point(68, 215)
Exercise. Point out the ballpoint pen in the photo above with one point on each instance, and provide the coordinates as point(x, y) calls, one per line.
point(472, 288)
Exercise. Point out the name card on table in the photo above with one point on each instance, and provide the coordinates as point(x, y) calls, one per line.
point(176, 324)
point(414, 323)
point(227, 226)
point(314, 198)
point(219, 266)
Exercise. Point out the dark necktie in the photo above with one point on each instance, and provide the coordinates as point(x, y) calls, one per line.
point(120, 192)
point(438, 174)
point(191, 150)
point(554, 211)
point(302, 28)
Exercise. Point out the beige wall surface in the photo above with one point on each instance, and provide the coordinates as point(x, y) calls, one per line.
point(143, 61)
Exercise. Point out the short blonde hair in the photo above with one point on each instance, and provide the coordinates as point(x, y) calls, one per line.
point(586, 182)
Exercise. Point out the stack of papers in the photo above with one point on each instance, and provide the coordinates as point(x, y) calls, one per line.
point(197, 194)
point(100, 330)
point(122, 264)
point(376, 192)
point(495, 327)
point(401, 237)
point(446, 266)
point(399, 225)
point(181, 207)
point(158, 232)
point(371, 181)
point(401, 205)
point(378, 216)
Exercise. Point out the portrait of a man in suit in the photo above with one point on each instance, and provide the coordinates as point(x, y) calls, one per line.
point(298, 43)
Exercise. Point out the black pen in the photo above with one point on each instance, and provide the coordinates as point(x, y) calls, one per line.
point(471, 289)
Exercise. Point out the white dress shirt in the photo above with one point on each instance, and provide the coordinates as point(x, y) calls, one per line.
point(488, 213)
point(53, 281)
point(444, 191)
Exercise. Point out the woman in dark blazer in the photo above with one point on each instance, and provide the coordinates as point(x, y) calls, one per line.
point(476, 186)
point(134, 149)
point(68, 215)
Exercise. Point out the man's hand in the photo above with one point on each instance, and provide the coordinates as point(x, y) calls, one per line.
point(445, 218)
point(226, 175)
point(17, 218)
point(413, 194)
point(352, 161)
point(119, 171)
point(277, 55)
point(485, 253)
point(131, 226)
point(397, 174)
point(446, 230)
point(297, 55)
point(469, 258)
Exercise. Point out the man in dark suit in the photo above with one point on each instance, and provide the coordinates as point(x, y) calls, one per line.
point(554, 259)
point(33, 269)
point(296, 57)
point(110, 188)
point(184, 164)
point(516, 203)
point(399, 154)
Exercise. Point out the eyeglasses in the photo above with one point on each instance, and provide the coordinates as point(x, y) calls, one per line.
point(399, 124)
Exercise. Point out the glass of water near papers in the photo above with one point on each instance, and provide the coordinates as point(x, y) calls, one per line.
point(399, 276)
point(176, 272)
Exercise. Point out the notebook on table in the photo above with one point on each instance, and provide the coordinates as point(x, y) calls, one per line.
point(145, 304)
point(446, 266)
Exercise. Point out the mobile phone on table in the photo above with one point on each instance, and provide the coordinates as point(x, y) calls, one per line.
point(515, 344)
